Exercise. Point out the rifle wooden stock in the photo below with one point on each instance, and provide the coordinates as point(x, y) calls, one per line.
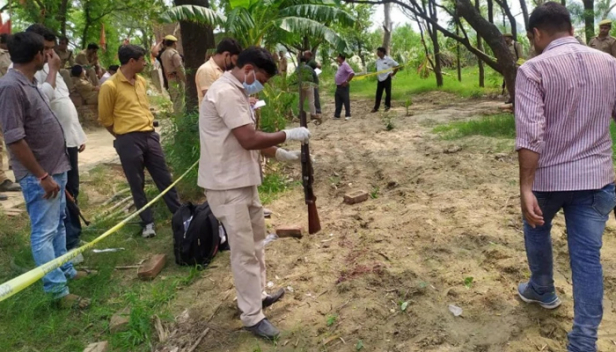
point(314, 223)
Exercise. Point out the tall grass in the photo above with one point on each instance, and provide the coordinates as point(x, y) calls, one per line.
point(497, 126)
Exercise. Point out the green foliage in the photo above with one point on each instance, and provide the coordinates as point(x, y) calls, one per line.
point(331, 319)
point(407, 105)
point(375, 192)
point(273, 184)
point(182, 149)
point(468, 282)
point(359, 346)
point(271, 21)
point(279, 106)
point(500, 126)
point(388, 121)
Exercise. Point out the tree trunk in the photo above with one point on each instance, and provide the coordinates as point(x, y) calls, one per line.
point(62, 16)
point(493, 38)
point(458, 54)
point(491, 11)
point(196, 40)
point(524, 13)
point(507, 12)
point(589, 19)
point(437, 49)
point(387, 27)
point(482, 77)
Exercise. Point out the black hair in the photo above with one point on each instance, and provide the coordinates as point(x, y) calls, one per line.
point(43, 31)
point(551, 17)
point(4, 38)
point(76, 70)
point(342, 56)
point(169, 42)
point(303, 59)
point(258, 57)
point(229, 45)
point(92, 46)
point(114, 67)
point(381, 49)
point(24, 46)
point(130, 51)
point(63, 39)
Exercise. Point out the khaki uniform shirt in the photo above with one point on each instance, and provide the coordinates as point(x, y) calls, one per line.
point(86, 90)
point(607, 45)
point(124, 105)
point(171, 61)
point(206, 75)
point(66, 57)
point(224, 164)
point(5, 61)
point(86, 59)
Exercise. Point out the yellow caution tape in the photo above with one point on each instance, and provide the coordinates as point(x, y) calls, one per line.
point(377, 73)
point(19, 283)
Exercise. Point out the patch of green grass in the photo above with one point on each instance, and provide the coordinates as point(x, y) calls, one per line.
point(331, 319)
point(408, 82)
point(273, 184)
point(31, 321)
point(500, 126)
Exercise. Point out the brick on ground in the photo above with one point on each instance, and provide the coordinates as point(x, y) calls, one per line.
point(151, 268)
point(289, 231)
point(119, 321)
point(356, 197)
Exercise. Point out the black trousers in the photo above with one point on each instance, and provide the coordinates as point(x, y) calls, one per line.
point(385, 85)
point(317, 100)
point(139, 150)
point(71, 221)
point(342, 98)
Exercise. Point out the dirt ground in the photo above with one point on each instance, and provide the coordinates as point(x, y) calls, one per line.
point(442, 212)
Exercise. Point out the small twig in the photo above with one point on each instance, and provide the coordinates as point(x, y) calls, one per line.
point(384, 256)
point(215, 311)
point(194, 347)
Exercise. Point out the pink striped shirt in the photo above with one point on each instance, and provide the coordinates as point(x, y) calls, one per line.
point(565, 98)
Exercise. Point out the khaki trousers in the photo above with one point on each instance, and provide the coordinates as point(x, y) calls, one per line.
point(66, 76)
point(308, 93)
point(241, 212)
point(2, 174)
point(91, 73)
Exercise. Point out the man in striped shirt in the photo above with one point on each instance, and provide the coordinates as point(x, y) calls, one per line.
point(564, 100)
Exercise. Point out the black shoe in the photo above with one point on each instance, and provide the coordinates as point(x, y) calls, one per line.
point(271, 299)
point(374, 110)
point(3, 197)
point(264, 329)
point(336, 117)
point(9, 186)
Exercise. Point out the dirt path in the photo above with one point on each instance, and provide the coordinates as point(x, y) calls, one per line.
point(442, 212)
point(99, 149)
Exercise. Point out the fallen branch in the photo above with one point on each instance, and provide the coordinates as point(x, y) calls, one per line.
point(194, 347)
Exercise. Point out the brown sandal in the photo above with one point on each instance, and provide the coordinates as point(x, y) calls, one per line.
point(72, 301)
point(83, 273)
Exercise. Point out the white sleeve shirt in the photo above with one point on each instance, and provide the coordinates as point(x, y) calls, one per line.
point(383, 64)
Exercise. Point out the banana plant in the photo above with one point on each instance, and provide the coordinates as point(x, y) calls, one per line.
point(259, 22)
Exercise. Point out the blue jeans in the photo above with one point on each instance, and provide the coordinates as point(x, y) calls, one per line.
point(48, 235)
point(586, 213)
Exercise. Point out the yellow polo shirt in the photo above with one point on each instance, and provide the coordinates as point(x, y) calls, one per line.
point(206, 75)
point(124, 105)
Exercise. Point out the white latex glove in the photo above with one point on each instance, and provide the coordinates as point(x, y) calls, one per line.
point(285, 155)
point(297, 134)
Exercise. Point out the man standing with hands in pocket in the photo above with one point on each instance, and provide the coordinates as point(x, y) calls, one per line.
point(565, 155)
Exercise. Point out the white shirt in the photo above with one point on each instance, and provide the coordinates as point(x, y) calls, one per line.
point(63, 107)
point(383, 64)
point(104, 78)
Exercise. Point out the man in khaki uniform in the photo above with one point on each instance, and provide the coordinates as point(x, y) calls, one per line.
point(223, 60)
point(282, 64)
point(604, 41)
point(83, 86)
point(230, 172)
point(68, 61)
point(88, 59)
point(174, 70)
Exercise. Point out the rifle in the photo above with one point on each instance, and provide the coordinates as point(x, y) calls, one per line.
point(314, 224)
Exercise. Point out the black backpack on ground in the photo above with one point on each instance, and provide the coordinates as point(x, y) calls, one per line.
point(197, 235)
